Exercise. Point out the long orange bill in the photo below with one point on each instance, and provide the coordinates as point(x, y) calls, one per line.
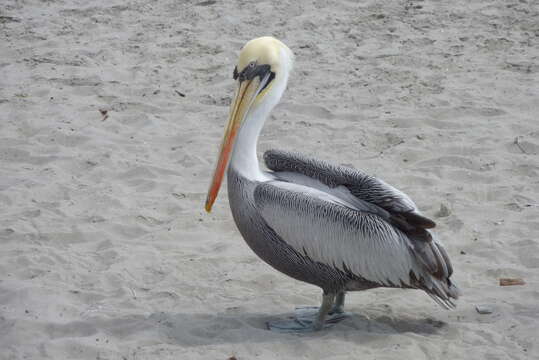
point(240, 106)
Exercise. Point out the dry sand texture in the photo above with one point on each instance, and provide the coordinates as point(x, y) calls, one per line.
point(105, 251)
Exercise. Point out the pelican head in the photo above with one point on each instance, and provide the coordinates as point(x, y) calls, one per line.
point(261, 75)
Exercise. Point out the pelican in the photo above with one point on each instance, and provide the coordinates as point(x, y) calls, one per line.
point(331, 226)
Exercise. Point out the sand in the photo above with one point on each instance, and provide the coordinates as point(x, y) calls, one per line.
point(111, 114)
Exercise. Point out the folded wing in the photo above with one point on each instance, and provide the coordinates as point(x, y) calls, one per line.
point(342, 217)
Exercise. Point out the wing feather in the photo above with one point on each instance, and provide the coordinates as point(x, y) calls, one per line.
point(337, 235)
point(361, 185)
point(343, 217)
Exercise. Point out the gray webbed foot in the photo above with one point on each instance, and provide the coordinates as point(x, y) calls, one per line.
point(310, 313)
point(305, 321)
point(292, 325)
point(309, 319)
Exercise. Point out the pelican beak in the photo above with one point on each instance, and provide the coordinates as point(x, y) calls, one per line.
point(245, 96)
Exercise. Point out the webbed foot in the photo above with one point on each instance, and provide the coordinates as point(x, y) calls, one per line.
point(306, 320)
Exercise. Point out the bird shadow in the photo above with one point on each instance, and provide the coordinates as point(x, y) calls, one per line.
point(197, 329)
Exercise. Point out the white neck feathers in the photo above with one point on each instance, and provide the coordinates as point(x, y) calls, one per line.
point(244, 157)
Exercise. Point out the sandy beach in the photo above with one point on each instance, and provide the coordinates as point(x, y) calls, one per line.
point(111, 114)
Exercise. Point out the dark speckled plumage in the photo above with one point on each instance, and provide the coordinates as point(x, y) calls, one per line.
point(381, 224)
point(272, 249)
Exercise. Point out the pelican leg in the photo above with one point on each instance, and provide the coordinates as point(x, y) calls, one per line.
point(309, 319)
point(327, 303)
point(338, 307)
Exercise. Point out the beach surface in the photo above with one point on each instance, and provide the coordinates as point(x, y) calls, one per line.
point(111, 115)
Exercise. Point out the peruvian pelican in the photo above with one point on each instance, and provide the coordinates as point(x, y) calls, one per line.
point(331, 226)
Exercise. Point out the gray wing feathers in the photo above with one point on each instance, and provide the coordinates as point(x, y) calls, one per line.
point(335, 235)
point(354, 241)
point(373, 226)
point(360, 185)
point(340, 192)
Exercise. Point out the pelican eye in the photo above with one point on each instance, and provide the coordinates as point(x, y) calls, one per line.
point(253, 70)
